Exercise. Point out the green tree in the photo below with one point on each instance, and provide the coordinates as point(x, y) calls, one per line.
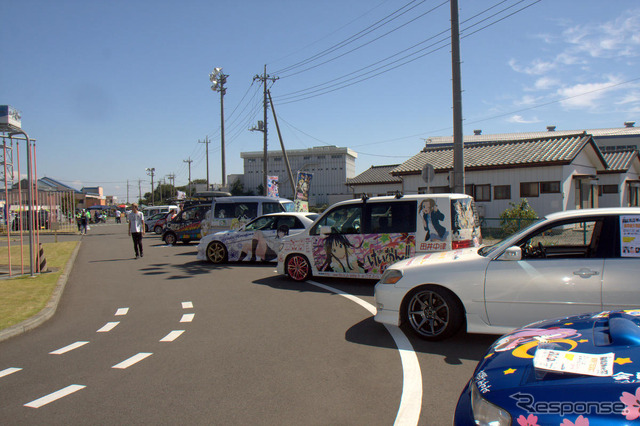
point(517, 216)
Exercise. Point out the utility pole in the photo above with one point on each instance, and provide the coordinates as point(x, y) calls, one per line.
point(139, 190)
point(127, 191)
point(458, 144)
point(206, 142)
point(189, 161)
point(172, 179)
point(264, 78)
point(150, 171)
point(284, 151)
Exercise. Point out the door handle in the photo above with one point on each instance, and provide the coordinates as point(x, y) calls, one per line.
point(585, 273)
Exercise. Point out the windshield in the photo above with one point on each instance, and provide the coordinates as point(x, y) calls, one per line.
point(508, 241)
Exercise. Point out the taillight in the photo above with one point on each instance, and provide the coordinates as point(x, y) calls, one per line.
point(461, 244)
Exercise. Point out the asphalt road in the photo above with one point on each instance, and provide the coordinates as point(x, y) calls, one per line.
point(167, 339)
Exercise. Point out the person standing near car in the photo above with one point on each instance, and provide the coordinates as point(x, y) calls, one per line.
point(136, 229)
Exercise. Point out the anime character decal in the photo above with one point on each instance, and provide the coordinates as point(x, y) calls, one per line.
point(261, 248)
point(431, 220)
point(340, 256)
point(358, 254)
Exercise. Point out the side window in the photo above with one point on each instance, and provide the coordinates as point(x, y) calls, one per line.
point(569, 239)
point(244, 211)
point(223, 210)
point(290, 222)
point(391, 217)
point(342, 220)
point(272, 208)
point(264, 223)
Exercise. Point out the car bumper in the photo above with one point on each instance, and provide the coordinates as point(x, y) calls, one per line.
point(387, 303)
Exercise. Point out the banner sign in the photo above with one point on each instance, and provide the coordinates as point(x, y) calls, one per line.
point(272, 186)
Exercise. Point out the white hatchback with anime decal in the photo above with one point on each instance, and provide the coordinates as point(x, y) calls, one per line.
point(361, 238)
point(258, 240)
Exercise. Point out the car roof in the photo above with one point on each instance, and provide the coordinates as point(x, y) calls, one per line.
point(400, 197)
point(594, 212)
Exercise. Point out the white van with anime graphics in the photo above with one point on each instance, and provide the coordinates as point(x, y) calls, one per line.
point(361, 238)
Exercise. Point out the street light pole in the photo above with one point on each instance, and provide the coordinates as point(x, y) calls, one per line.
point(218, 80)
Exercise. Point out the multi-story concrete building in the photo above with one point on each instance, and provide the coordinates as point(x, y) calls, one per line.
point(331, 166)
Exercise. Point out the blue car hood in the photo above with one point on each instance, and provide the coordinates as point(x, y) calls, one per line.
point(609, 342)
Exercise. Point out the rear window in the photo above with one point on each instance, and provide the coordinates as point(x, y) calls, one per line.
point(465, 223)
point(272, 208)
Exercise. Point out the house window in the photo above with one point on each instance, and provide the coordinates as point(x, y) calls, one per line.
point(468, 189)
point(251, 160)
point(607, 189)
point(277, 159)
point(502, 192)
point(550, 187)
point(336, 156)
point(529, 189)
point(482, 192)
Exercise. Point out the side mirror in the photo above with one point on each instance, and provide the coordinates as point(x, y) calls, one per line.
point(512, 253)
point(325, 230)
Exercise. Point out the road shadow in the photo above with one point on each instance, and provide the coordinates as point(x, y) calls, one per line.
point(355, 287)
point(454, 350)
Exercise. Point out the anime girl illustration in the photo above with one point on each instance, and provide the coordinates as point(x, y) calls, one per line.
point(431, 218)
point(340, 256)
point(262, 248)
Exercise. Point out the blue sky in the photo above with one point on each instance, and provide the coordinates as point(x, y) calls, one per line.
point(110, 88)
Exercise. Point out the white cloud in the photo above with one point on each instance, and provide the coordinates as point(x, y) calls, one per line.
point(545, 83)
point(521, 120)
point(586, 95)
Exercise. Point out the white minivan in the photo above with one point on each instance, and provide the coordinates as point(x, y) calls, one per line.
point(361, 238)
point(151, 210)
point(230, 213)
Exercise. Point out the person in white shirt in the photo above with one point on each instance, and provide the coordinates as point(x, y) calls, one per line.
point(136, 229)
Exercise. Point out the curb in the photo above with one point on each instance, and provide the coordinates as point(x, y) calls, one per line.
point(51, 306)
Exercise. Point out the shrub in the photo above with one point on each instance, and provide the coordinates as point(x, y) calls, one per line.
point(517, 217)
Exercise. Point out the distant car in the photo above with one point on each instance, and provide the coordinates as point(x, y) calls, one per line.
point(185, 226)
point(150, 223)
point(579, 370)
point(567, 263)
point(258, 240)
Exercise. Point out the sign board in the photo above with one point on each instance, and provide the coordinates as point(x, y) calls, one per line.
point(10, 118)
point(428, 173)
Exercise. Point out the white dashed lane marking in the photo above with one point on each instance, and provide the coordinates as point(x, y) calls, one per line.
point(8, 371)
point(172, 336)
point(187, 305)
point(122, 311)
point(108, 327)
point(187, 317)
point(54, 396)
point(133, 360)
point(68, 348)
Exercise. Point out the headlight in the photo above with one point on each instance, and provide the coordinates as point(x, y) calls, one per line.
point(485, 413)
point(391, 276)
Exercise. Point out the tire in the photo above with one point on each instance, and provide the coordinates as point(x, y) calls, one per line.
point(158, 230)
point(216, 252)
point(433, 313)
point(146, 228)
point(170, 238)
point(298, 267)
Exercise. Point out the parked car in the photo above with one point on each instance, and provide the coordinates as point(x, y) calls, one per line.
point(150, 223)
point(185, 226)
point(578, 370)
point(232, 212)
point(361, 238)
point(567, 263)
point(258, 240)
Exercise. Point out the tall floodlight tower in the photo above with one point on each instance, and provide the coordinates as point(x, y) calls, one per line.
point(218, 80)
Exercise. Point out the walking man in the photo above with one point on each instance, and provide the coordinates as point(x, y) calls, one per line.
point(136, 229)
